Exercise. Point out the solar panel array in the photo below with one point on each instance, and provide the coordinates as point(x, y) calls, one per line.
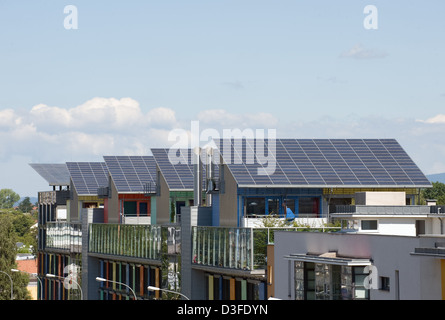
point(178, 168)
point(324, 163)
point(131, 173)
point(87, 177)
point(177, 175)
point(56, 174)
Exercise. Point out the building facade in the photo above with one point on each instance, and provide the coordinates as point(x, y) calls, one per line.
point(196, 224)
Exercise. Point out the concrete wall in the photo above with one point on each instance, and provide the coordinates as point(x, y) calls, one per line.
point(419, 276)
point(90, 265)
point(163, 202)
point(113, 204)
point(73, 213)
point(228, 210)
point(193, 282)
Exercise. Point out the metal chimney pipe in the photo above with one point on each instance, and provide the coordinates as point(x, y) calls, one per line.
point(210, 175)
point(197, 177)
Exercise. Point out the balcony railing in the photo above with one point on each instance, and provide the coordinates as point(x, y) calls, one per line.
point(140, 241)
point(236, 248)
point(223, 247)
point(64, 236)
point(387, 210)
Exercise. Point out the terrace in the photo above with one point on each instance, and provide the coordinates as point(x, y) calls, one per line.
point(385, 210)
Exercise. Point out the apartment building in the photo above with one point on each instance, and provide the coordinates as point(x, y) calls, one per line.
point(196, 227)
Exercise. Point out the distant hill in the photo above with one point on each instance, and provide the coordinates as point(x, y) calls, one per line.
point(440, 177)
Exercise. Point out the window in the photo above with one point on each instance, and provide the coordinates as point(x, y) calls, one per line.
point(273, 206)
point(360, 276)
point(318, 281)
point(369, 224)
point(143, 208)
point(255, 206)
point(384, 283)
point(308, 206)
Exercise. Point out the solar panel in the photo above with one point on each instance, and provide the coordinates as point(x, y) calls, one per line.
point(87, 177)
point(323, 163)
point(131, 173)
point(177, 168)
point(56, 174)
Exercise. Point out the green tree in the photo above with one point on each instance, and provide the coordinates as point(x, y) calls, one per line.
point(25, 205)
point(436, 192)
point(7, 198)
point(8, 251)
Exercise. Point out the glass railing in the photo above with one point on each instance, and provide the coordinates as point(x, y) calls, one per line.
point(140, 241)
point(64, 235)
point(235, 248)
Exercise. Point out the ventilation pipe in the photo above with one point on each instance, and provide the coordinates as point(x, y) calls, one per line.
point(197, 177)
point(210, 176)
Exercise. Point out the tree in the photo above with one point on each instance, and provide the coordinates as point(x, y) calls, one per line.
point(437, 192)
point(7, 198)
point(8, 251)
point(25, 205)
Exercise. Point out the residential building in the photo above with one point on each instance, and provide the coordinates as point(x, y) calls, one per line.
point(193, 220)
point(130, 196)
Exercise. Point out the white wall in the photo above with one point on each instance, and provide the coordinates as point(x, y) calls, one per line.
point(419, 276)
point(380, 198)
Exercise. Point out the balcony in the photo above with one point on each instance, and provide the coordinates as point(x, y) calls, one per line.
point(136, 241)
point(64, 236)
point(139, 241)
point(243, 249)
point(348, 210)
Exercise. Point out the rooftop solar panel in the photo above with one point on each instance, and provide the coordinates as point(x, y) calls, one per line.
point(87, 177)
point(178, 168)
point(324, 163)
point(131, 173)
point(56, 174)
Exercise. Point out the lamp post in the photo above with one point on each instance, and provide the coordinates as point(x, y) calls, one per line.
point(151, 288)
point(32, 274)
point(99, 279)
point(12, 286)
point(49, 275)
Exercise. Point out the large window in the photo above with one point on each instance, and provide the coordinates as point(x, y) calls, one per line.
point(278, 205)
point(309, 206)
point(255, 206)
point(136, 208)
point(318, 281)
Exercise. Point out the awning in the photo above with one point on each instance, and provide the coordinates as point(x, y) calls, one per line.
point(328, 258)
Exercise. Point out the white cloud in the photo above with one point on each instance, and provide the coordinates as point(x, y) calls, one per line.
point(438, 119)
point(97, 127)
point(161, 117)
point(8, 119)
point(109, 126)
point(98, 114)
point(358, 51)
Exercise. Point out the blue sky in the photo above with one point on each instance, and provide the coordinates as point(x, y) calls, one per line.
point(305, 68)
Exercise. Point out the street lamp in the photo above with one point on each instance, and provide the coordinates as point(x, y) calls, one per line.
point(33, 274)
point(151, 288)
point(12, 286)
point(104, 280)
point(49, 275)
